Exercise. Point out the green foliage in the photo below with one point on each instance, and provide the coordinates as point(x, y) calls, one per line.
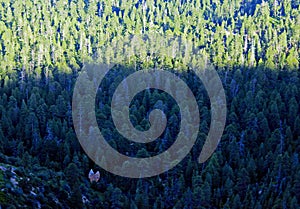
point(255, 49)
point(2, 193)
point(69, 34)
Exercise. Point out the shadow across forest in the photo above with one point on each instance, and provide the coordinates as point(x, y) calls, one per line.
point(255, 163)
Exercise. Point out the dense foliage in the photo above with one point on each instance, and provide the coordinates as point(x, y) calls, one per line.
point(253, 45)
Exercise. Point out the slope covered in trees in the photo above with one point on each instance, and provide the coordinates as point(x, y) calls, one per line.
point(40, 36)
point(254, 45)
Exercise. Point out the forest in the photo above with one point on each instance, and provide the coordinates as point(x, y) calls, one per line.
point(254, 46)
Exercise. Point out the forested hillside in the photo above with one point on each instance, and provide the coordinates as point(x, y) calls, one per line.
point(253, 45)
